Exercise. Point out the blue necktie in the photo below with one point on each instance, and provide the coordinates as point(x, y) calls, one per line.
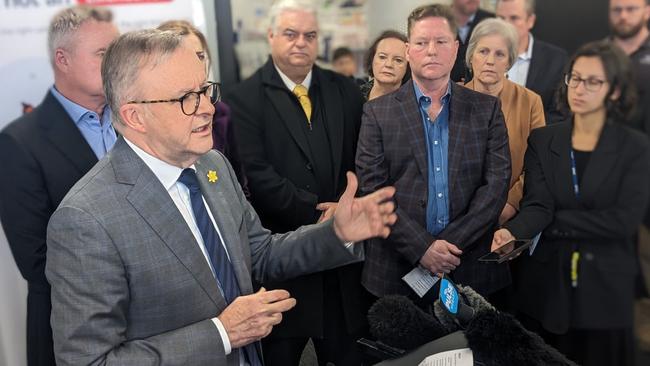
point(216, 251)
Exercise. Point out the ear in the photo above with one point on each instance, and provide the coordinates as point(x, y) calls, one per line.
point(531, 21)
point(616, 93)
point(269, 35)
point(408, 48)
point(456, 45)
point(132, 115)
point(61, 60)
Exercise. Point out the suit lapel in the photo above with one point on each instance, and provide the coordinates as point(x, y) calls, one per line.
point(229, 229)
point(150, 199)
point(333, 118)
point(64, 134)
point(605, 156)
point(561, 166)
point(533, 69)
point(281, 98)
point(460, 110)
point(411, 113)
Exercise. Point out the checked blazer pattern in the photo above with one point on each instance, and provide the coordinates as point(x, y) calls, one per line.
point(392, 151)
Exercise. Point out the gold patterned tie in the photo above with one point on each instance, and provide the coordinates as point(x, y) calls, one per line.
point(303, 97)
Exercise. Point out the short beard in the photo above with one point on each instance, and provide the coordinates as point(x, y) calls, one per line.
point(628, 33)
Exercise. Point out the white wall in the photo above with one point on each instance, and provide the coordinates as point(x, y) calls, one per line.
point(392, 14)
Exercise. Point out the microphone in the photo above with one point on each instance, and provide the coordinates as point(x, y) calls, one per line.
point(471, 301)
point(498, 339)
point(396, 321)
point(453, 303)
point(495, 338)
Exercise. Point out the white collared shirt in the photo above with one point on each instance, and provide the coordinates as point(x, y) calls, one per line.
point(289, 83)
point(168, 175)
point(518, 73)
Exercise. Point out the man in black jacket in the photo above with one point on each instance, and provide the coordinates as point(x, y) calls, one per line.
point(539, 65)
point(297, 126)
point(467, 14)
point(46, 151)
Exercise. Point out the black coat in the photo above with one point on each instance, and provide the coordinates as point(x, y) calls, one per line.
point(280, 166)
point(546, 73)
point(601, 224)
point(43, 156)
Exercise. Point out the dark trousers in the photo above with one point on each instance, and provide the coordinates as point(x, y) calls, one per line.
point(40, 350)
point(336, 347)
point(589, 347)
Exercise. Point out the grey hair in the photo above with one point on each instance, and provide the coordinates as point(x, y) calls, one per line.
point(127, 56)
point(529, 5)
point(280, 6)
point(66, 22)
point(489, 27)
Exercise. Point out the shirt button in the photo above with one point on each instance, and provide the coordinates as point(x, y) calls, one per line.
point(435, 142)
point(437, 168)
point(92, 116)
point(440, 221)
point(439, 195)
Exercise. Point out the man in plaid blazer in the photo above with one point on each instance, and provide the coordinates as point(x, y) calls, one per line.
point(445, 149)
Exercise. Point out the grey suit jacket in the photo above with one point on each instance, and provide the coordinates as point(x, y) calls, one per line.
point(130, 286)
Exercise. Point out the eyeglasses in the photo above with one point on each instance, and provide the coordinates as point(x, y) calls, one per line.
point(591, 84)
point(190, 101)
point(618, 10)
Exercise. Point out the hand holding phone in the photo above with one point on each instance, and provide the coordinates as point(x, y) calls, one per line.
point(507, 251)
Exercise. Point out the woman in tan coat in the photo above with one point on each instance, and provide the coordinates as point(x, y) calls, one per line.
point(491, 52)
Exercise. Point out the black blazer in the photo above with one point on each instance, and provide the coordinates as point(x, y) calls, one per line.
point(546, 73)
point(277, 161)
point(460, 70)
point(601, 225)
point(43, 156)
point(392, 151)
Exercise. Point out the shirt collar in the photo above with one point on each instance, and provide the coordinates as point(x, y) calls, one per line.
point(166, 173)
point(526, 56)
point(470, 20)
point(425, 100)
point(74, 110)
point(289, 83)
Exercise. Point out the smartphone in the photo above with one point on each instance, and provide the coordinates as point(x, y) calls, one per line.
point(517, 246)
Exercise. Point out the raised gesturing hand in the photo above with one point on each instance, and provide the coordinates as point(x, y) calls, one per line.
point(357, 219)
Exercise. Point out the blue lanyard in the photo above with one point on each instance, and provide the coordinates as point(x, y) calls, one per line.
point(574, 175)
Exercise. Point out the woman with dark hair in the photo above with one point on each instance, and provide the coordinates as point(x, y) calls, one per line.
point(386, 65)
point(223, 138)
point(585, 190)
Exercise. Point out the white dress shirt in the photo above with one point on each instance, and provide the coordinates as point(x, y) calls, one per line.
point(289, 83)
point(518, 73)
point(168, 175)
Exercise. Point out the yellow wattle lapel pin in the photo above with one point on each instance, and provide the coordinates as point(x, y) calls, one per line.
point(212, 176)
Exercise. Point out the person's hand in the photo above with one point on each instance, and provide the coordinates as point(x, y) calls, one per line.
point(358, 219)
point(500, 238)
point(250, 318)
point(327, 209)
point(441, 257)
point(508, 212)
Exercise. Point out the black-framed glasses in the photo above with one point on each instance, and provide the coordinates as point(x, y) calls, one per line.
point(591, 84)
point(190, 101)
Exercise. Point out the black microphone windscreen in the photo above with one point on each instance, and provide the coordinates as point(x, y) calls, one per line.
point(497, 338)
point(467, 295)
point(396, 321)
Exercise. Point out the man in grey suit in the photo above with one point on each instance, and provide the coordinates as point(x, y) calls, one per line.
point(151, 255)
